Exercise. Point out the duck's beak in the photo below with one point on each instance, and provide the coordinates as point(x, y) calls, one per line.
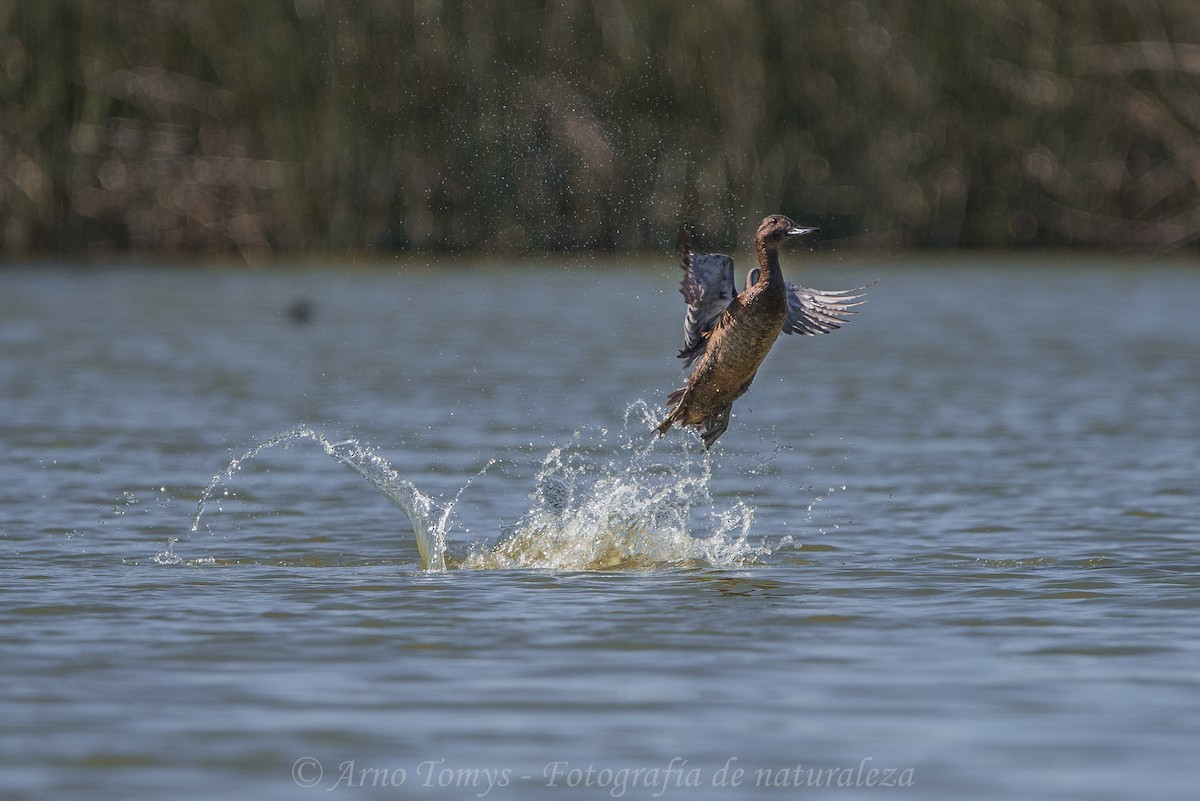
point(798, 231)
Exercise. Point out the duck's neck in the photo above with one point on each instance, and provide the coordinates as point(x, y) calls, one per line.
point(768, 262)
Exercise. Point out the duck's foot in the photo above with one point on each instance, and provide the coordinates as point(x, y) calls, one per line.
point(714, 427)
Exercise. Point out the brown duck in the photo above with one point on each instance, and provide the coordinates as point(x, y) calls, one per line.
point(728, 334)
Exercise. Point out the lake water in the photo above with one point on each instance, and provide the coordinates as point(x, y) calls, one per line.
point(950, 551)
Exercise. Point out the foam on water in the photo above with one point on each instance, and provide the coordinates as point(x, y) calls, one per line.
point(638, 502)
point(647, 506)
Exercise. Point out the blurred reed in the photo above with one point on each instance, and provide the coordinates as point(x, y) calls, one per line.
point(298, 126)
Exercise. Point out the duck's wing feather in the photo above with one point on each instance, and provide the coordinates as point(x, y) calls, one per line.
point(817, 311)
point(708, 289)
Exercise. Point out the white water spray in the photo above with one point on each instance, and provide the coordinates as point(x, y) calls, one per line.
point(646, 504)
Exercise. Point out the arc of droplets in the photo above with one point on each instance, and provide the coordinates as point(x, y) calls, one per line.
point(418, 507)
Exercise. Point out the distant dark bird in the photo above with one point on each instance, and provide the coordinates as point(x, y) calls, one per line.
point(300, 311)
point(728, 334)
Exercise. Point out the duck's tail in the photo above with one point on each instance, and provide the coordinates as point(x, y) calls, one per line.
point(672, 400)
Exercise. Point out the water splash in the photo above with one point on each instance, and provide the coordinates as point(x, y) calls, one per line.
point(168, 555)
point(648, 506)
point(638, 502)
point(429, 527)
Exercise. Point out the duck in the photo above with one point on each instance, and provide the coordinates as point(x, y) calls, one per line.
point(727, 334)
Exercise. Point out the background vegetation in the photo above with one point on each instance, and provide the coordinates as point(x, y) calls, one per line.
point(185, 126)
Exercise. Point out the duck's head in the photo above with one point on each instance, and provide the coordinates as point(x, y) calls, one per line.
point(776, 229)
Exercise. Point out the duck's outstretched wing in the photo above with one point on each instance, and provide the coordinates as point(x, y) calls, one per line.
point(708, 289)
point(816, 311)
